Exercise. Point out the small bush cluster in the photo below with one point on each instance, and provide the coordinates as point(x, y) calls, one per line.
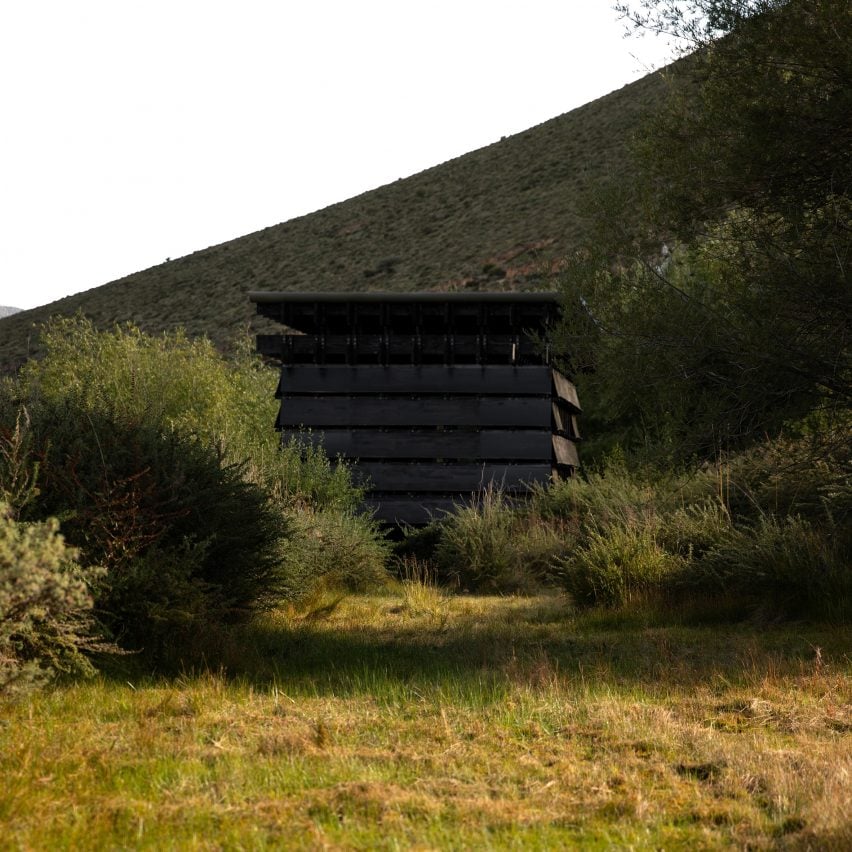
point(45, 605)
point(775, 537)
point(490, 546)
point(330, 547)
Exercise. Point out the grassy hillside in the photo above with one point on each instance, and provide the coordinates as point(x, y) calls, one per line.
point(495, 217)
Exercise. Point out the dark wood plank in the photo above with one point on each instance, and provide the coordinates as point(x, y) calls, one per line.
point(342, 411)
point(419, 509)
point(434, 477)
point(405, 379)
point(519, 445)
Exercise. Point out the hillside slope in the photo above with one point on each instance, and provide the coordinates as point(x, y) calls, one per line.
point(496, 217)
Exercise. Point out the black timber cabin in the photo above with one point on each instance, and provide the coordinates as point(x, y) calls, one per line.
point(433, 396)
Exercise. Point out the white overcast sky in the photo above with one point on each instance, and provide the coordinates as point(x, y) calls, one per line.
point(136, 131)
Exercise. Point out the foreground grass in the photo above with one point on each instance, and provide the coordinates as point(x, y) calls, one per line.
point(418, 721)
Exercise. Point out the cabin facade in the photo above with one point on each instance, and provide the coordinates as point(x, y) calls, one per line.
point(432, 396)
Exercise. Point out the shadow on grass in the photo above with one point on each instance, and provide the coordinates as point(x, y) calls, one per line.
point(479, 649)
point(481, 655)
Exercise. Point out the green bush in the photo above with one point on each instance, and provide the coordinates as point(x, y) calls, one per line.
point(491, 547)
point(692, 531)
point(184, 537)
point(45, 605)
point(786, 566)
point(175, 384)
point(619, 564)
point(338, 549)
point(600, 497)
point(160, 459)
point(727, 532)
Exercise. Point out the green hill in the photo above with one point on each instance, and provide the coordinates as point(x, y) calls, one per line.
point(501, 216)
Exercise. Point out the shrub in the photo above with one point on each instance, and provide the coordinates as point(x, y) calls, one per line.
point(45, 605)
point(18, 469)
point(599, 498)
point(619, 564)
point(183, 535)
point(731, 530)
point(161, 460)
point(692, 531)
point(490, 547)
point(303, 477)
point(172, 383)
point(786, 565)
point(332, 548)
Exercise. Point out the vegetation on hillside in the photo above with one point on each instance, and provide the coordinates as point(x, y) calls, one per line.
point(741, 326)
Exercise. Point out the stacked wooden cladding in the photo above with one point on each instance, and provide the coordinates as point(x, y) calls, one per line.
point(432, 396)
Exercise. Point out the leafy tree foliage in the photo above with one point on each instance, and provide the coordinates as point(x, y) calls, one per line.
point(759, 114)
point(741, 322)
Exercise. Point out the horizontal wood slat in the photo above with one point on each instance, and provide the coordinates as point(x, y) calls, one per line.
point(399, 313)
point(410, 349)
point(436, 477)
point(523, 445)
point(406, 379)
point(419, 509)
point(337, 411)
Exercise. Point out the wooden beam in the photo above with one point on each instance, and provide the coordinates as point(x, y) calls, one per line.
point(520, 445)
point(342, 411)
point(435, 477)
point(565, 391)
point(404, 379)
point(565, 451)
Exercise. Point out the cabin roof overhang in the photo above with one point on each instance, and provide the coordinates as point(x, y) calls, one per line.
point(266, 297)
point(399, 315)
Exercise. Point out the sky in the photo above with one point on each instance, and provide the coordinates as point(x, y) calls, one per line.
point(132, 132)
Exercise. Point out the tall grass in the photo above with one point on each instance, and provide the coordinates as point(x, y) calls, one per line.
point(770, 528)
point(489, 546)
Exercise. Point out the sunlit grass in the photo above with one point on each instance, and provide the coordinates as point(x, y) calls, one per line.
point(464, 722)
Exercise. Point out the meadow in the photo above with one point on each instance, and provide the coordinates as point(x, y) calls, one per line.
point(416, 719)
